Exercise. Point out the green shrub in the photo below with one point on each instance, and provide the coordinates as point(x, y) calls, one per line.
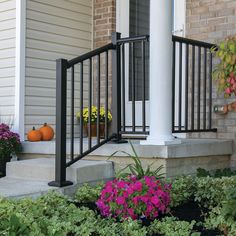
point(183, 189)
point(216, 220)
point(171, 226)
point(87, 193)
point(229, 205)
point(227, 172)
point(211, 192)
point(51, 215)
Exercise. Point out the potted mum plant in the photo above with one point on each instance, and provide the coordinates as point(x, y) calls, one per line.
point(9, 144)
point(225, 71)
point(94, 116)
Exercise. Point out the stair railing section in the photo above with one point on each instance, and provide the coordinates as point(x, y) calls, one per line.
point(191, 86)
point(85, 68)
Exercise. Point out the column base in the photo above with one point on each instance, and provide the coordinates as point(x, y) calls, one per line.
point(161, 140)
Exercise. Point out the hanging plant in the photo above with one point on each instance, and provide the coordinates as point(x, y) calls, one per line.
point(225, 71)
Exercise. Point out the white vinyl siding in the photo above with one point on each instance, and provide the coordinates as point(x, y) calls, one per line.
point(7, 60)
point(54, 29)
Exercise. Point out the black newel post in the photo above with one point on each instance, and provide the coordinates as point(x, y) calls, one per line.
point(60, 165)
point(116, 88)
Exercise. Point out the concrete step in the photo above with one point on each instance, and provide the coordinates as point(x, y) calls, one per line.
point(43, 169)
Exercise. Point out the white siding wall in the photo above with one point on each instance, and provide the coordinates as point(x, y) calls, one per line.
point(7, 59)
point(54, 29)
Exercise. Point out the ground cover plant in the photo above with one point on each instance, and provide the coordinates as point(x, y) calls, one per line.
point(198, 206)
point(138, 203)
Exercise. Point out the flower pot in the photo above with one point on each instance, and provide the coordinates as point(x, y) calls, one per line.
point(94, 130)
point(3, 162)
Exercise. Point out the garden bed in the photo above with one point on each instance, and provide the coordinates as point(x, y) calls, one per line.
point(197, 208)
point(188, 212)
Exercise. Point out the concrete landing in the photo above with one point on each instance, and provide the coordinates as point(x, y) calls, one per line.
point(31, 177)
point(187, 148)
point(19, 188)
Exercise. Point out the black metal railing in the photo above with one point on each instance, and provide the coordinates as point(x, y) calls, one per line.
point(129, 84)
point(191, 86)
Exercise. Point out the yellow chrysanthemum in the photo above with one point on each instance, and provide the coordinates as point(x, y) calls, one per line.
point(94, 115)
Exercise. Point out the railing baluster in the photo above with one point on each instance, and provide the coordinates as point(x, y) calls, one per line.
point(210, 91)
point(133, 85)
point(173, 87)
point(186, 85)
point(144, 87)
point(98, 97)
point(180, 86)
point(72, 113)
point(204, 88)
point(81, 106)
point(106, 93)
point(90, 104)
point(123, 87)
point(199, 90)
point(193, 87)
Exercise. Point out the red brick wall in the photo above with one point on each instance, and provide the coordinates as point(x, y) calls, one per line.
point(104, 21)
point(212, 21)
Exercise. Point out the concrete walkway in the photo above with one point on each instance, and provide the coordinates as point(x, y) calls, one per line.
point(31, 177)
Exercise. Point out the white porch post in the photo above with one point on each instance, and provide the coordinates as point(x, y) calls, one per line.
point(160, 73)
point(20, 67)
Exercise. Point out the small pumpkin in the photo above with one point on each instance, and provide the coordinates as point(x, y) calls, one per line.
point(47, 132)
point(34, 135)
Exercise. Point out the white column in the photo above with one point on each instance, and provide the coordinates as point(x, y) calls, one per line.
point(160, 73)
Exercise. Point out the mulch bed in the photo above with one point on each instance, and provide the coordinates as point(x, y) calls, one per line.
point(186, 212)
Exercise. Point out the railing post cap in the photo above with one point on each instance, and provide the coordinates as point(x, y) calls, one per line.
point(115, 36)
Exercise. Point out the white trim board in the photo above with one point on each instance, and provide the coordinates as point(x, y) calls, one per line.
point(20, 67)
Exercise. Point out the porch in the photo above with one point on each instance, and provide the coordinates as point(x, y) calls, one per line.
point(116, 77)
point(36, 166)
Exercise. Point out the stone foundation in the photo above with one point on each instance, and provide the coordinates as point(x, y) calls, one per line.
point(174, 166)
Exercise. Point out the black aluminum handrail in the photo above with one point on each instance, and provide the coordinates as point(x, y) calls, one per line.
point(133, 39)
point(91, 54)
point(192, 42)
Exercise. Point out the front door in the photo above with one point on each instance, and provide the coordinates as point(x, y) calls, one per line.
point(133, 20)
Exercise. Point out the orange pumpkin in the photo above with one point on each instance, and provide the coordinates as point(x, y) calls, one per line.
point(47, 132)
point(34, 135)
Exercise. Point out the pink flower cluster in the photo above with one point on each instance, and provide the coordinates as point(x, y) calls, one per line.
point(9, 141)
point(147, 197)
point(230, 85)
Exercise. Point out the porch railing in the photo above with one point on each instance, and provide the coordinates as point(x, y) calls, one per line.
point(192, 86)
point(110, 67)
